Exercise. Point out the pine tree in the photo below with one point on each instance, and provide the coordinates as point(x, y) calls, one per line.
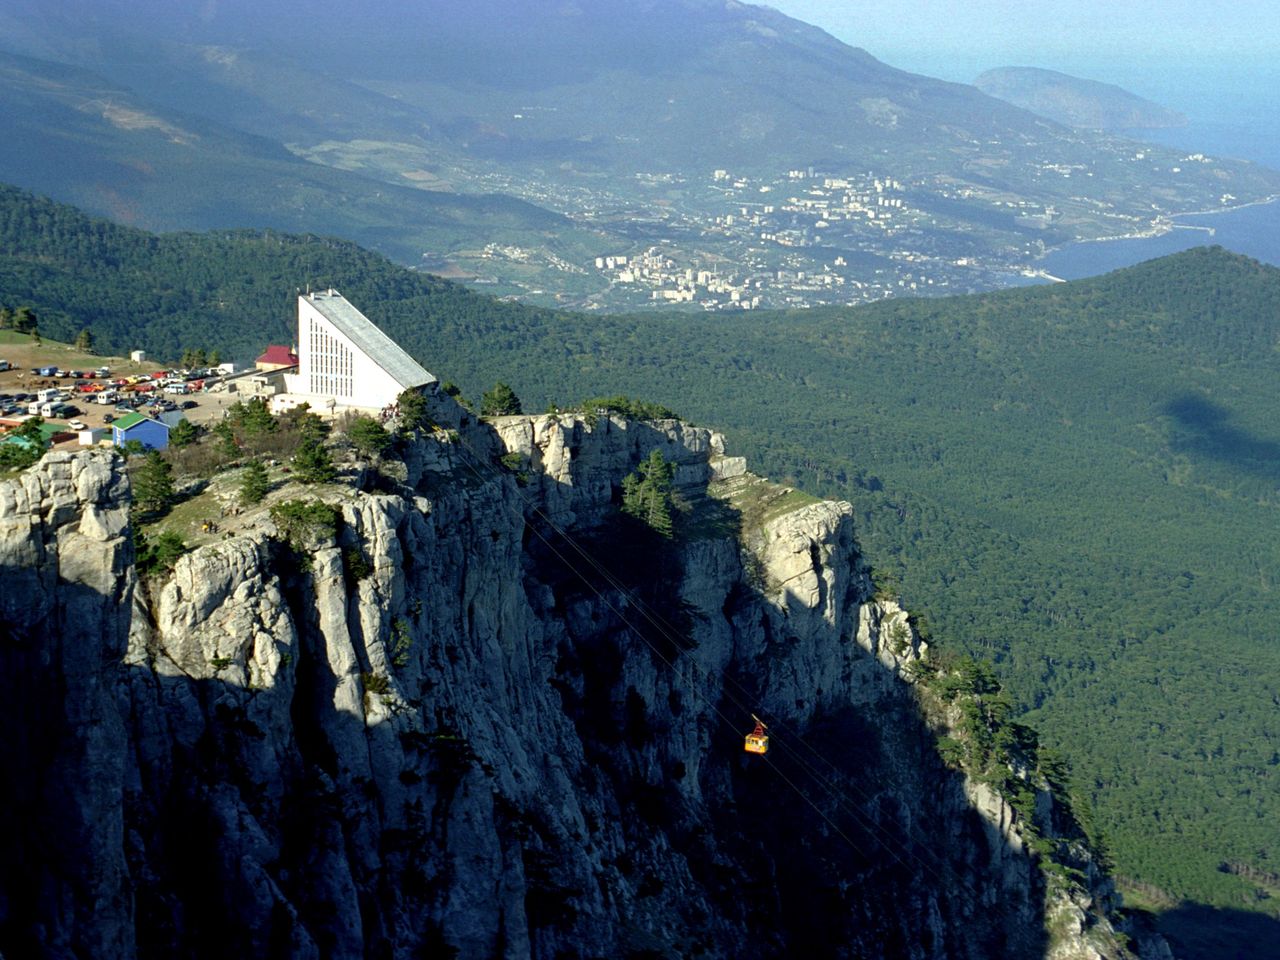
point(311, 462)
point(24, 320)
point(253, 417)
point(182, 435)
point(646, 494)
point(84, 340)
point(254, 483)
point(412, 406)
point(368, 436)
point(226, 443)
point(153, 482)
point(501, 401)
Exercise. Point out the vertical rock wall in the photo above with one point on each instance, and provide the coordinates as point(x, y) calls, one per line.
point(517, 735)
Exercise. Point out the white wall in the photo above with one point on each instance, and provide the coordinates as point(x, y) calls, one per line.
point(356, 381)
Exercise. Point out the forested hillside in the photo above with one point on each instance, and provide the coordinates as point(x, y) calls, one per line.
point(231, 289)
point(1080, 481)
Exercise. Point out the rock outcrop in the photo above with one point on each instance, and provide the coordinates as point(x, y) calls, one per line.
point(511, 729)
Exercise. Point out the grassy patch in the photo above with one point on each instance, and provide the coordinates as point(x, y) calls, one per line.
point(187, 517)
point(759, 502)
point(706, 517)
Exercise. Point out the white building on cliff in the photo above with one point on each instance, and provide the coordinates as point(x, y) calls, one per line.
point(344, 361)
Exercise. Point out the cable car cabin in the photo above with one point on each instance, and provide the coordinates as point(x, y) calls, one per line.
point(757, 739)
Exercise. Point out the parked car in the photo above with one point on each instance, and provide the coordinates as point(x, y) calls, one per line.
point(108, 418)
point(77, 425)
point(189, 405)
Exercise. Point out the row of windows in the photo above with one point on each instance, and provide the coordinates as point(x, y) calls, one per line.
point(331, 363)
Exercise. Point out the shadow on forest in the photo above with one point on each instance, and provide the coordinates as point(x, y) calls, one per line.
point(1197, 931)
point(1206, 432)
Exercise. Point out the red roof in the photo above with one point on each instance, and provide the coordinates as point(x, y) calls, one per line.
point(281, 355)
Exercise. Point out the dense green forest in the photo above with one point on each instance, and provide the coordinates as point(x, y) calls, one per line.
point(1080, 482)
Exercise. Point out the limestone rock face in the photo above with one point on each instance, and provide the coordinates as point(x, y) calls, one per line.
point(514, 730)
point(66, 585)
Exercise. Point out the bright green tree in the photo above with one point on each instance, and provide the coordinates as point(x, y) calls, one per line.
point(24, 320)
point(30, 429)
point(254, 483)
point(369, 436)
point(20, 455)
point(501, 401)
point(647, 496)
point(84, 341)
point(153, 482)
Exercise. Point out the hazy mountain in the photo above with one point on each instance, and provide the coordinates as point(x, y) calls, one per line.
point(79, 137)
point(1075, 101)
point(412, 117)
point(1090, 533)
point(672, 82)
point(645, 84)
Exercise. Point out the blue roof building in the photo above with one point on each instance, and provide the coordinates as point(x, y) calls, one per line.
point(152, 434)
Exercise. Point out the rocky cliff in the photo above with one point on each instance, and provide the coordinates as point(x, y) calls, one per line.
point(483, 715)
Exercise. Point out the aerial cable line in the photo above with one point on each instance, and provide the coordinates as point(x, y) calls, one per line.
point(730, 724)
point(833, 790)
point(886, 839)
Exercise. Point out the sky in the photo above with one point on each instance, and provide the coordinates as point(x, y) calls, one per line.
point(1192, 55)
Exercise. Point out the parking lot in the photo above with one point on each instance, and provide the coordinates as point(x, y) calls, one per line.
point(22, 385)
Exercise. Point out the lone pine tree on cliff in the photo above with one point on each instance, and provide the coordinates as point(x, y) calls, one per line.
point(646, 494)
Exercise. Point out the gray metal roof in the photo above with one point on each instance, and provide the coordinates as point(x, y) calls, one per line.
point(380, 348)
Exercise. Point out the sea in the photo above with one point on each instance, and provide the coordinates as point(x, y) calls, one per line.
point(1253, 231)
point(1233, 119)
point(1230, 103)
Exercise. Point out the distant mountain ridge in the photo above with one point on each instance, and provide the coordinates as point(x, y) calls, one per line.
point(673, 82)
point(1075, 101)
point(88, 140)
point(513, 144)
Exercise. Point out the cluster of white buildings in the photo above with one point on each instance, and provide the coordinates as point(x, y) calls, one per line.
point(674, 283)
point(813, 204)
point(842, 199)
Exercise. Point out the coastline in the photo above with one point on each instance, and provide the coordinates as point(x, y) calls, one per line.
point(1239, 206)
point(1163, 225)
point(1251, 228)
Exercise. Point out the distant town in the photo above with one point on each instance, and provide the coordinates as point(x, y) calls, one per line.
point(801, 237)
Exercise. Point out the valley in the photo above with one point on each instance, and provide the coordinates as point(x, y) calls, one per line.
point(452, 146)
point(1103, 540)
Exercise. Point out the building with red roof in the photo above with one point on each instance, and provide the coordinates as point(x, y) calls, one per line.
point(277, 358)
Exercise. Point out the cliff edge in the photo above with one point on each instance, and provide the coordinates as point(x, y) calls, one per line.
point(482, 713)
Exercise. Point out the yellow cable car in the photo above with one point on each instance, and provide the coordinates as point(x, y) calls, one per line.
point(757, 740)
